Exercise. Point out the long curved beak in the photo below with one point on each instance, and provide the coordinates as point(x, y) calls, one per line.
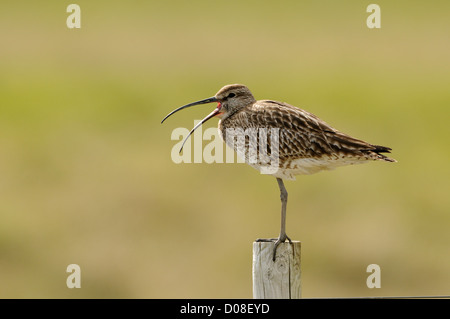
point(205, 101)
point(210, 115)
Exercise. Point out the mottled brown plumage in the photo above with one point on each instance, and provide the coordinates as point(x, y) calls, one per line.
point(297, 141)
point(306, 143)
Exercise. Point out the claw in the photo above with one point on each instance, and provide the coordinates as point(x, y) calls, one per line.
point(266, 240)
point(276, 241)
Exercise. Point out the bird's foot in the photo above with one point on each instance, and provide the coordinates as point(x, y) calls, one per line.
point(266, 240)
point(276, 241)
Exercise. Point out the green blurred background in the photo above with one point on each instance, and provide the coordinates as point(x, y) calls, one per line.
point(86, 175)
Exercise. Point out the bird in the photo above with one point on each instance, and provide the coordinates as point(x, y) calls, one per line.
point(300, 143)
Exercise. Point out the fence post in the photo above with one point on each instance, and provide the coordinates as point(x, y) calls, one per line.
point(280, 279)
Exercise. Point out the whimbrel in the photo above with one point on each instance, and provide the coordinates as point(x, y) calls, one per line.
point(305, 143)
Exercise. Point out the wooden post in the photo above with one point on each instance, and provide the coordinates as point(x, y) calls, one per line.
point(280, 279)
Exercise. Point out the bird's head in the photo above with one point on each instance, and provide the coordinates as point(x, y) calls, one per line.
point(230, 99)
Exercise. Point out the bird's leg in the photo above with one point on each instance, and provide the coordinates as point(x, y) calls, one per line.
point(282, 237)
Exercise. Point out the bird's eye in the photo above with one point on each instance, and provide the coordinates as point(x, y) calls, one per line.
point(231, 95)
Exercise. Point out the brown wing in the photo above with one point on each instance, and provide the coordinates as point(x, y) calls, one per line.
point(302, 134)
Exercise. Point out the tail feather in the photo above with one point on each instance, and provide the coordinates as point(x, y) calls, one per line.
point(382, 149)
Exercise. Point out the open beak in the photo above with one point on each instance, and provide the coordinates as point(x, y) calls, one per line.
point(210, 115)
point(205, 101)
